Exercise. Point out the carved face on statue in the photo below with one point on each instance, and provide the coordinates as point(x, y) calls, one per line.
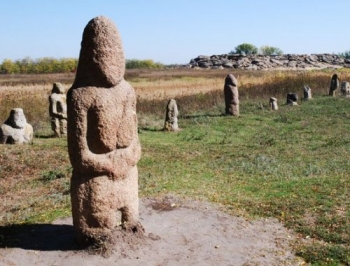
point(101, 54)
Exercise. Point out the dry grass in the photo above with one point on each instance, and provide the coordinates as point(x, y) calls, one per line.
point(154, 88)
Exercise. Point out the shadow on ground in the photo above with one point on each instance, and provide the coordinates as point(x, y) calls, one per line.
point(44, 237)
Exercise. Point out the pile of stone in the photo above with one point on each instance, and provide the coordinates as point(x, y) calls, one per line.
point(262, 62)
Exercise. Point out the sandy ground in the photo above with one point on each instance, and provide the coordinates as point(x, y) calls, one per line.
point(177, 232)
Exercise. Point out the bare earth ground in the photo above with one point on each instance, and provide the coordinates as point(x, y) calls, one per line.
point(177, 232)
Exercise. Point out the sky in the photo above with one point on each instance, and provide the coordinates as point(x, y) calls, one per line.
point(175, 31)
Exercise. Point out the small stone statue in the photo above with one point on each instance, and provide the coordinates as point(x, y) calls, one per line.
point(103, 141)
point(292, 99)
point(231, 96)
point(345, 88)
point(172, 112)
point(58, 110)
point(273, 104)
point(16, 130)
point(334, 85)
point(307, 93)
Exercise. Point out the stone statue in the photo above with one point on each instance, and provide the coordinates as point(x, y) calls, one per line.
point(307, 93)
point(292, 99)
point(58, 110)
point(103, 141)
point(15, 129)
point(334, 85)
point(172, 112)
point(345, 88)
point(231, 96)
point(273, 104)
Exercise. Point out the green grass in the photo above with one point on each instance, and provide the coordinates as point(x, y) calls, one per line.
point(292, 164)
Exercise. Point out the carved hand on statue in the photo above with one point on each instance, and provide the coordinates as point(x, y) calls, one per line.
point(124, 159)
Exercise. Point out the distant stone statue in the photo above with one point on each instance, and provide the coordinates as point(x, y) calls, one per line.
point(172, 112)
point(231, 96)
point(334, 85)
point(345, 88)
point(307, 93)
point(273, 104)
point(58, 110)
point(292, 99)
point(103, 141)
point(15, 129)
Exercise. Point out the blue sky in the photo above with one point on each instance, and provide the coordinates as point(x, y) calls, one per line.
point(174, 31)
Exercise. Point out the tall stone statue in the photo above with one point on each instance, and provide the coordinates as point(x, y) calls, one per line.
point(15, 129)
point(231, 96)
point(103, 141)
point(58, 110)
point(172, 112)
point(334, 85)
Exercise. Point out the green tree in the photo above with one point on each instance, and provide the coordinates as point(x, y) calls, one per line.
point(9, 67)
point(245, 49)
point(345, 54)
point(25, 65)
point(270, 50)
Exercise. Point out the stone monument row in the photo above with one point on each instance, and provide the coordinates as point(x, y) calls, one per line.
point(103, 141)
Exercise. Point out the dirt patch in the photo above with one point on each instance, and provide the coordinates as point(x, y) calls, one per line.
point(177, 232)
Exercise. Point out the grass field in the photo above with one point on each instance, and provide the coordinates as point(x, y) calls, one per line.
point(292, 164)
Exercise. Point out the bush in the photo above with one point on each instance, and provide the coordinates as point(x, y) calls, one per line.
point(245, 49)
point(270, 50)
point(148, 63)
point(345, 54)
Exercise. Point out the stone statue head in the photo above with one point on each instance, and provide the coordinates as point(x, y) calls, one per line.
point(58, 88)
point(231, 80)
point(17, 118)
point(96, 67)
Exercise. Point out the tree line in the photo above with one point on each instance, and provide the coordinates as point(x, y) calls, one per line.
point(38, 66)
point(64, 65)
point(45, 65)
point(249, 49)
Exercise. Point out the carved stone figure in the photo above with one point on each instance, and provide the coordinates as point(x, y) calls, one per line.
point(103, 141)
point(292, 99)
point(231, 96)
point(58, 110)
point(273, 104)
point(172, 112)
point(345, 88)
point(15, 129)
point(334, 85)
point(307, 93)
